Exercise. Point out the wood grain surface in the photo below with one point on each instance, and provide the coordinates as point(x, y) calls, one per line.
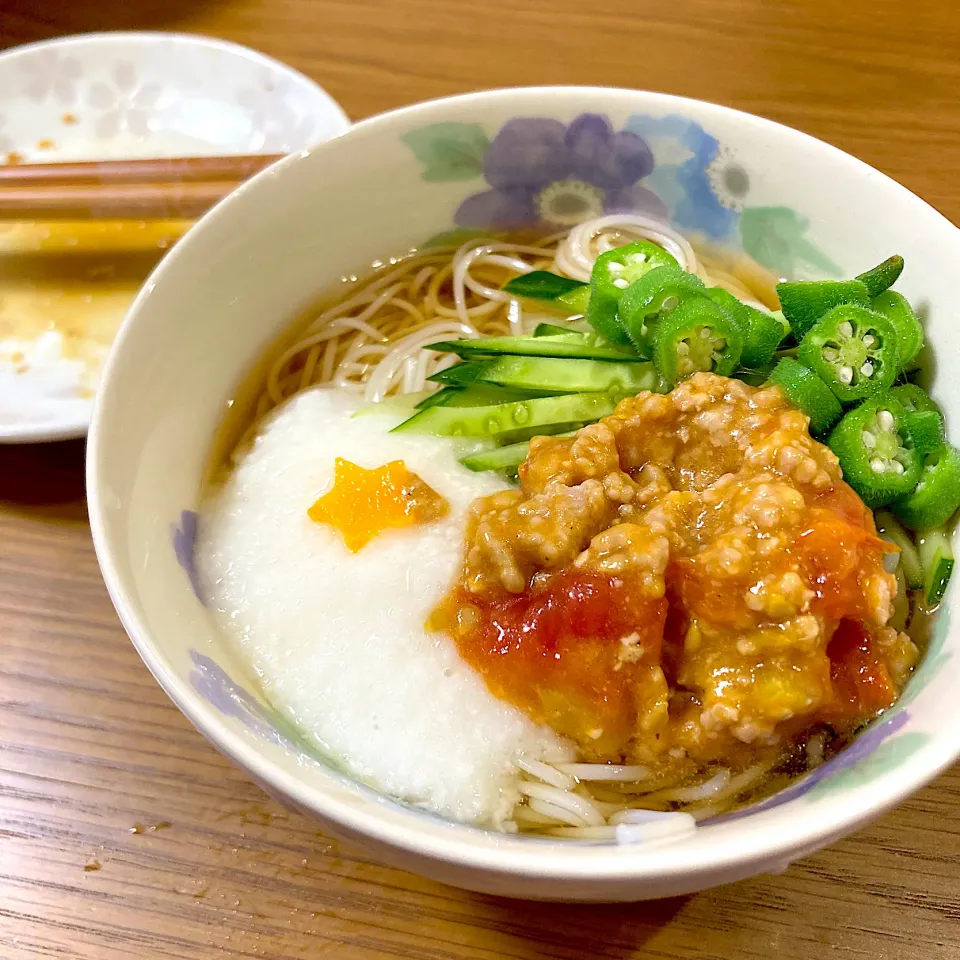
point(124, 834)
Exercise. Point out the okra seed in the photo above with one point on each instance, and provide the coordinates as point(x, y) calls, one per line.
point(616, 267)
point(669, 303)
point(867, 369)
point(846, 328)
point(885, 420)
point(831, 355)
point(683, 348)
point(868, 439)
point(706, 333)
point(621, 283)
point(896, 466)
point(845, 375)
point(877, 465)
point(869, 340)
point(719, 344)
point(637, 258)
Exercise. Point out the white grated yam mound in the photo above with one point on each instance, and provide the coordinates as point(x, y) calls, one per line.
point(338, 638)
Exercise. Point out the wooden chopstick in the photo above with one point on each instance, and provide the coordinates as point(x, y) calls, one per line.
point(181, 187)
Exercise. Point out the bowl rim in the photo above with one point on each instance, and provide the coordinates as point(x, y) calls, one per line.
point(71, 427)
point(762, 842)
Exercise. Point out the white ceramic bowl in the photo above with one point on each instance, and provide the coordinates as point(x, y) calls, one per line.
point(213, 306)
point(111, 96)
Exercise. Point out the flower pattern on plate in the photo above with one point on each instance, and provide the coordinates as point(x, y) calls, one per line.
point(127, 104)
point(280, 125)
point(48, 74)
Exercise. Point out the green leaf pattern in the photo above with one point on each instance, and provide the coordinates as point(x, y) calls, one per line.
point(449, 151)
point(776, 238)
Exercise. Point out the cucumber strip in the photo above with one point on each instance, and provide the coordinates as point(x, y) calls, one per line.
point(555, 330)
point(936, 555)
point(499, 420)
point(508, 457)
point(909, 560)
point(555, 375)
point(576, 300)
point(474, 395)
point(500, 458)
point(460, 374)
point(535, 347)
point(437, 398)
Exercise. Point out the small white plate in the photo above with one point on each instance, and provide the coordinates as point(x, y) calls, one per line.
point(64, 289)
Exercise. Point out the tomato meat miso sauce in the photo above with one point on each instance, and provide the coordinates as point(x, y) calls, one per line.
point(708, 513)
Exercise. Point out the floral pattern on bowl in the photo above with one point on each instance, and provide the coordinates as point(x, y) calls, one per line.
point(184, 535)
point(542, 171)
point(539, 171)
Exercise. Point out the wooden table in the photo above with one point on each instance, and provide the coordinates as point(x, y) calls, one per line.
point(124, 834)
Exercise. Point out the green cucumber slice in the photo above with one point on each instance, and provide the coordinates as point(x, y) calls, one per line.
point(502, 458)
point(564, 346)
point(936, 555)
point(909, 561)
point(555, 375)
point(499, 420)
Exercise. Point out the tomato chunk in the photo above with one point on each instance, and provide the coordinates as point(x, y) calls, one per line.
point(837, 556)
point(571, 651)
point(862, 686)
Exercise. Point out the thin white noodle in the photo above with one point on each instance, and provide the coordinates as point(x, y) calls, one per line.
point(644, 816)
point(525, 814)
point(627, 832)
point(409, 368)
point(373, 304)
point(702, 791)
point(387, 370)
point(583, 833)
point(582, 808)
point(515, 316)
point(559, 814)
point(574, 255)
point(546, 772)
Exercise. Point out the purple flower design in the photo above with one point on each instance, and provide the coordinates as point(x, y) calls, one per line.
point(543, 171)
point(861, 748)
point(184, 544)
point(213, 683)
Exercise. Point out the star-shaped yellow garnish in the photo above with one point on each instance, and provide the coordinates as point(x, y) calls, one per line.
point(363, 503)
